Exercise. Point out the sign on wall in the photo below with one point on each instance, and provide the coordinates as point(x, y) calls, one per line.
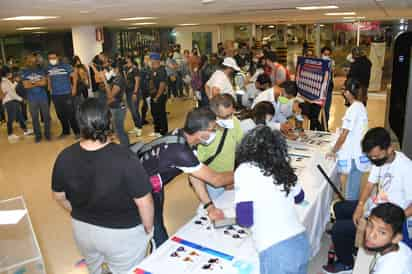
point(312, 79)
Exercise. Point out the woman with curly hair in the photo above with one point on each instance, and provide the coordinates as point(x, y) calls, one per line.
point(266, 190)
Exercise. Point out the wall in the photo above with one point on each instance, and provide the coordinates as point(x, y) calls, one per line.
point(184, 35)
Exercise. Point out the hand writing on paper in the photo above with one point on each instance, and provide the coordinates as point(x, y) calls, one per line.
point(215, 213)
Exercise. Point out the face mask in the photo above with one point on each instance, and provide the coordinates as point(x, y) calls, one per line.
point(379, 162)
point(283, 100)
point(255, 60)
point(227, 123)
point(379, 249)
point(299, 117)
point(109, 75)
point(209, 140)
point(53, 62)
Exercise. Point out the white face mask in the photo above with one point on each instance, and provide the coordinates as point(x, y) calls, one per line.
point(209, 140)
point(109, 75)
point(227, 123)
point(53, 62)
point(325, 57)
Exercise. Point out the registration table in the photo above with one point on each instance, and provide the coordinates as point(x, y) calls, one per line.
point(199, 248)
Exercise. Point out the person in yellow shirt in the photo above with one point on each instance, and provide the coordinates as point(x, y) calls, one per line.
point(220, 154)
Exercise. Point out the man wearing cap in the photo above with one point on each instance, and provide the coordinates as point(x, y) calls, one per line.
point(158, 95)
point(221, 80)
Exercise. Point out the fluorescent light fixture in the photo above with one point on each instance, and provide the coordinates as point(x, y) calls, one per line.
point(188, 24)
point(30, 28)
point(132, 28)
point(205, 2)
point(144, 24)
point(353, 17)
point(340, 13)
point(317, 8)
point(29, 18)
point(271, 26)
point(40, 32)
point(137, 18)
point(321, 25)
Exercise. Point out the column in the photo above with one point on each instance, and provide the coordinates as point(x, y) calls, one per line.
point(85, 44)
point(317, 45)
point(358, 25)
point(3, 52)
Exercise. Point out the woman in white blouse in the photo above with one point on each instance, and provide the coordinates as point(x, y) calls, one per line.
point(12, 103)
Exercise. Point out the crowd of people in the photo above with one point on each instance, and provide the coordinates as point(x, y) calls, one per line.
point(115, 192)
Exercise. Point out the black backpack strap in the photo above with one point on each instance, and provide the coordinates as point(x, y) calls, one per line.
point(219, 148)
point(140, 148)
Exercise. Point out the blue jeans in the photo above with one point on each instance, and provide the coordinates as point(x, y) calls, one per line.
point(353, 182)
point(290, 256)
point(14, 113)
point(214, 192)
point(134, 109)
point(118, 116)
point(37, 107)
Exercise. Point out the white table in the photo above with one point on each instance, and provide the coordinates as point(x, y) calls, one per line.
point(200, 244)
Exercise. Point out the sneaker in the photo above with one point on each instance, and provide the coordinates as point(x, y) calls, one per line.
point(13, 138)
point(138, 132)
point(28, 132)
point(337, 268)
point(133, 131)
point(155, 134)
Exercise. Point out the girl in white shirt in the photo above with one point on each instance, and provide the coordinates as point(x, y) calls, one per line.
point(266, 190)
point(12, 103)
point(351, 159)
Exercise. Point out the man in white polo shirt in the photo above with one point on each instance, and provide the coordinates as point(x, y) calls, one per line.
point(221, 80)
point(281, 96)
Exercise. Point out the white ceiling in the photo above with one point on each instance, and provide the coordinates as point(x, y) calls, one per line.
point(173, 12)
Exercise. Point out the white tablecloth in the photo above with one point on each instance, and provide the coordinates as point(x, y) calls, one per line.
point(201, 241)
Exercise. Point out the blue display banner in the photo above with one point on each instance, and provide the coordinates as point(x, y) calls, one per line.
point(313, 79)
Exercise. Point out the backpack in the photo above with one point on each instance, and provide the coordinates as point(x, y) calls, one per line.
point(141, 148)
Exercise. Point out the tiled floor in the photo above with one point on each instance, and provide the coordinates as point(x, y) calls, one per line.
point(25, 169)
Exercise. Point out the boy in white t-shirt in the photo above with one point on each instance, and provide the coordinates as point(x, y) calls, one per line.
point(390, 179)
point(351, 159)
point(383, 236)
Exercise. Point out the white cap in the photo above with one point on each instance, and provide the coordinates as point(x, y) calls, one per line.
point(230, 62)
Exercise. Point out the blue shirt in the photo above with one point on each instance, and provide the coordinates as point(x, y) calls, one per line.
point(60, 79)
point(35, 94)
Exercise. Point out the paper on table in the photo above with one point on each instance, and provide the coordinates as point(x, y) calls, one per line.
point(11, 217)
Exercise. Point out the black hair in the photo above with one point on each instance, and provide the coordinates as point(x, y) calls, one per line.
point(376, 137)
point(271, 55)
point(225, 100)
point(391, 214)
point(267, 150)
point(353, 86)
point(290, 88)
point(260, 111)
point(4, 71)
point(94, 120)
point(198, 119)
point(75, 59)
point(326, 48)
point(356, 52)
point(52, 52)
point(264, 79)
